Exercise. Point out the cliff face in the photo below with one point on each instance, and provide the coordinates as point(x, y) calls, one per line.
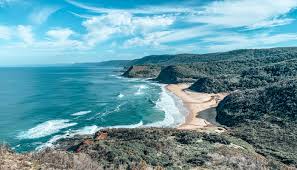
point(147, 71)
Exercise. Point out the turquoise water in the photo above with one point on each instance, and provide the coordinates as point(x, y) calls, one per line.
point(40, 105)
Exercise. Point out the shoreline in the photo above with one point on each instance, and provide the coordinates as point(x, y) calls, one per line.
point(200, 107)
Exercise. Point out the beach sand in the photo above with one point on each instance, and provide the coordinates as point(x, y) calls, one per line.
point(201, 108)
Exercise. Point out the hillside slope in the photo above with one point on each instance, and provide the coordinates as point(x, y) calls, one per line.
point(266, 118)
point(243, 54)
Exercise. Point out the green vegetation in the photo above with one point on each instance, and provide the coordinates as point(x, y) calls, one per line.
point(247, 77)
point(244, 54)
point(146, 71)
point(167, 148)
point(266, 118)
point(261, 108)
point(142, 149)
point(214, 71)
point(260, 113)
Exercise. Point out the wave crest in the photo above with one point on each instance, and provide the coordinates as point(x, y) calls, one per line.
point(45, 129)
point(172, 107)
point(81, 113)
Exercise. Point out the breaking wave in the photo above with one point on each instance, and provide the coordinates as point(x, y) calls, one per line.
point(45, 129)
point(81, 113)
point(173, 109)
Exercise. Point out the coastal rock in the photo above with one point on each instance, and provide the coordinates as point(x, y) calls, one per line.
point(145, 71)
point(83, 144)
point(101, 135)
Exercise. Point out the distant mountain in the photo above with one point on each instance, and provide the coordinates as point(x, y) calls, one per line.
point(115, 63)
point(242, 54)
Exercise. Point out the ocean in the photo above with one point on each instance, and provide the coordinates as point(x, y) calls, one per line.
point(39, 105)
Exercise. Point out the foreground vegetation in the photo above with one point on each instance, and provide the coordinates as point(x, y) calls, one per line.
point(148, 148)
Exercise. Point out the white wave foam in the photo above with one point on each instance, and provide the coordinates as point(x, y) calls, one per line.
point(87, 130)
point(45, 129)
point(121, 95)
point(127, 126)
point(81, 113)
point(140, 89)
point(141, 86)
point(172, 107)
point(118, 76)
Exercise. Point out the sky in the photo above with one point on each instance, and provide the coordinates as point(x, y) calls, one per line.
point(72, 31)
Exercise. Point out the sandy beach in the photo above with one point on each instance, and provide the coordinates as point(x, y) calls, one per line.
point(201, 108)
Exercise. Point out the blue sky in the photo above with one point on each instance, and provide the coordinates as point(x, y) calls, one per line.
point(69, 31)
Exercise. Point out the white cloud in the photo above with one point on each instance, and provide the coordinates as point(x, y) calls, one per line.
point(251, 14)
point(163, 9)
point(245, 13)
point(26, 34)
point(5, 32)
point(60, 34)
point(102, 28)
point(159, 37)
point(160, 29)
point(227, 42)
point(40, 15)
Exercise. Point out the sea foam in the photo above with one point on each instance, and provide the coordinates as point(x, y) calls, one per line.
point(121, 95)
point(81, 113)
point(173, 109)
point(140, 89)
point(45, 129)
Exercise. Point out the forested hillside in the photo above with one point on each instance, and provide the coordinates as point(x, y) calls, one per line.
point(261, 107)
point(243, 54)
point(190, 67)
point(266, 118)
